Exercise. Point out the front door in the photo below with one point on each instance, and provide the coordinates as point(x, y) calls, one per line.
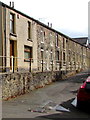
point(13, 52)
point(11, 48)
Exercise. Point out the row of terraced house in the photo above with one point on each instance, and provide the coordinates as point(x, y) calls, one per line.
point(26, 44)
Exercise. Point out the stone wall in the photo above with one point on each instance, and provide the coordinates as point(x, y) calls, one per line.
point(15, 84)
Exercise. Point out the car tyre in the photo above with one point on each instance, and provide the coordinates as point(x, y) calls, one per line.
point(79, 104)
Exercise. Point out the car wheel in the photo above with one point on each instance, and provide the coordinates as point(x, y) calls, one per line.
point(79, 104)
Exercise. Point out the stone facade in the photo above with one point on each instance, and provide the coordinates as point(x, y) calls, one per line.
point(49, 49)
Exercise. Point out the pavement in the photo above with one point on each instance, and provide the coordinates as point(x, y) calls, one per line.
point(61, 93)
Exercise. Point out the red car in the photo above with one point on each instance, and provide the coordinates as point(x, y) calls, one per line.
point(83, 95)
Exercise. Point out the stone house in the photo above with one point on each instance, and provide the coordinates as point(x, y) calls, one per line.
point(27, 44)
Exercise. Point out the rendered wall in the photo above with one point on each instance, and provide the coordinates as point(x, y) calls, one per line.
point(21, 38)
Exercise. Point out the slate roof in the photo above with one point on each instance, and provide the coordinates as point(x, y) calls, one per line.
point(81, 40)
point(88, 45)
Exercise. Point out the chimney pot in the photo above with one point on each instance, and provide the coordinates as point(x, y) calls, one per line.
point(51, 25)
point(12, 4)
point(48, 24)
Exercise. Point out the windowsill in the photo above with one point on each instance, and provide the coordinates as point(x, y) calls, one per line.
point(27, 60)
point(69, 63)
point(58, 61)
point(13, 34)
point(51, 45)
point(51, 63)
point(57, 46)
point(29, 40)
point(64, 49)
point(64, 64)
point(42, 42)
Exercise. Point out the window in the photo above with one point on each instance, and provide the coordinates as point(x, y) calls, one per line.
point(12, 23)
point(74, 56)
point(64, 57)
point(57, 56)
point(69, 56)
point(51, 55)
point(57, 40)
point(63, 43)
point(27, 53)
point(77, 57)
point(29, 30)
point(51, 39)
point(41, 55)
point(42, 36)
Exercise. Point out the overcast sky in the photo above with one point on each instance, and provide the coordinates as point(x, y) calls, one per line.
point(67, 16)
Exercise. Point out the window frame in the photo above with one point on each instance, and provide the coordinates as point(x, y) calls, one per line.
point(57, 41)
point(42, 35)
point(29, 50)
point(57, 56)
point(12, 23)
point(29, 31)
point(63, 43)
point(51, 55)
point(64, 58)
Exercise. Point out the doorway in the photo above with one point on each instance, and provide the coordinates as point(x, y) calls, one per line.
point(13, 52)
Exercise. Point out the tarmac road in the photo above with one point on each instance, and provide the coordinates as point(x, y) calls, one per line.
point(61, 92)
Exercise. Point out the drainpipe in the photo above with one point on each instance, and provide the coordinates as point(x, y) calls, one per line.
point(2, 35)
point(5, 36)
